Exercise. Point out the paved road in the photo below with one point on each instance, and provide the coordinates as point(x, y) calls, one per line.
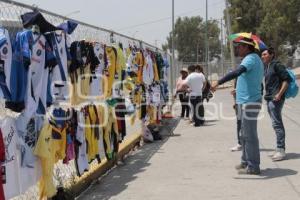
point(196, 163)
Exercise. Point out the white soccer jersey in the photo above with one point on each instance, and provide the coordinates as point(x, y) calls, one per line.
point(156, 97)
point(148, 72)
point(5, 57)
point(60, 72)
point(36, 93)
point(82, 158)
point(30, 167)
point(96, 88)
point(11, 164)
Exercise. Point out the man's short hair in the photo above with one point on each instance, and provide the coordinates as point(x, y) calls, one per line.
point(191, 68)
point(271, 51)
point(199, 68)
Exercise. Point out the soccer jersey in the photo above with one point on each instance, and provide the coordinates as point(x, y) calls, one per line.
point(148, 72)
point(96, 88)
point(156, 97)
point(131, 65)
point(19, 70)
point(44, 151)
point(11, 164)
point(60, 72)
point(140, 60)
point(28, 132)
point(36, 94)
point(91, 131)
point(111, 54)
point(50, 148)
point(81, 161)
point(111, 135)
point(5, 62)
point(2, 159)
point(155, 68)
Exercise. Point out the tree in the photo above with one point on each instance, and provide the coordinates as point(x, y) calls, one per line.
point(189, 39)
point(275, 21)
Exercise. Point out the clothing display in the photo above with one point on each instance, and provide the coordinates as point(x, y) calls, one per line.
point(72, 98)
point(11, 163)
point(2, 159)
point(5, 62)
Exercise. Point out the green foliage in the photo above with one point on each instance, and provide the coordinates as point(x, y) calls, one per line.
point(275, 21)
point(189, 36)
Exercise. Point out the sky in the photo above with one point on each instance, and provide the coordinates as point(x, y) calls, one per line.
point(124, 16)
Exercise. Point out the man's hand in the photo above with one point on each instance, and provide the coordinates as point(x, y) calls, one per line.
point(233, 92)
point(277, 97)
point(214, 86)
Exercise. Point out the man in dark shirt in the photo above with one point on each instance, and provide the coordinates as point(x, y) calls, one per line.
point(276, 83)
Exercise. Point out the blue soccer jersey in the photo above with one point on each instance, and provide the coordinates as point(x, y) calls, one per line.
point(19, 70)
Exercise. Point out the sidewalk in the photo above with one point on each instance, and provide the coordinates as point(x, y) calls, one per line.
point(196, 163)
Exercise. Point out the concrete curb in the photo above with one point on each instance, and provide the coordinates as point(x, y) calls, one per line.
point(105, 165)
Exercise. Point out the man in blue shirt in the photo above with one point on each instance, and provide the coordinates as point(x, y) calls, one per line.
point(248, 99)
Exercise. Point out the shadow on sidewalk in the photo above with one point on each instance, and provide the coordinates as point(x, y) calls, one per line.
point(269, 173)
point(265, 150)
point(292, 156)
point(118, 179)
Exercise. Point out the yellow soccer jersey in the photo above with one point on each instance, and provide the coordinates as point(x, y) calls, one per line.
point(140, 60)
point(90, 131)
point(111, 54)
point(50, 148)
point(111, 133)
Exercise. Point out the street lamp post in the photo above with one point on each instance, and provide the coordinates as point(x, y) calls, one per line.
point(222, 54)
point(197, 52)
point(229, 33)
point(173, 52)
point(206, 37)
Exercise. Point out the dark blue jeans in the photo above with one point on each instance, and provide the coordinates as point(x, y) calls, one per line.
point(274, 110)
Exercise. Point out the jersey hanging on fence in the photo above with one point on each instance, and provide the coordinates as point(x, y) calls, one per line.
point(60, 71)
point(11, 164)
point(38, 74)
point(5, 62)
point(19, 70)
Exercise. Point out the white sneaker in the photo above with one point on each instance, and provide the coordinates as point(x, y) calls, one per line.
point(238, 147)
point(271, 154)
point(279, 155)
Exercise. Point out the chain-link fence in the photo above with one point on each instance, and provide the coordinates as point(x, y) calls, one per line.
point(214, 70)
point(10, 11)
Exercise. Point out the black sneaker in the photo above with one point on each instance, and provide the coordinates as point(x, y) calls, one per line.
point(241, 166)
point(248, 171)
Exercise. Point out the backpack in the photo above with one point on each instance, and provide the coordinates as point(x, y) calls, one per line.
point(293, 88)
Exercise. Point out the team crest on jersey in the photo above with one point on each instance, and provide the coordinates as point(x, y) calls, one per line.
point(39, 52)
point(100, 56)
point(4, 50)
